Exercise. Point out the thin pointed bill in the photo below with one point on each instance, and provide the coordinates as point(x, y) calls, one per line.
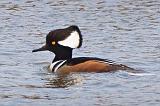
point(43, 48)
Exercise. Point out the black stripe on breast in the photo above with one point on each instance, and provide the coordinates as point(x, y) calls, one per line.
point(56, 65)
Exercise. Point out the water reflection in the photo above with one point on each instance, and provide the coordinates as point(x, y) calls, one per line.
point(63, 81)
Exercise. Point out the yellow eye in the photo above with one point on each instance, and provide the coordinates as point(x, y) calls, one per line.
point(53, 43)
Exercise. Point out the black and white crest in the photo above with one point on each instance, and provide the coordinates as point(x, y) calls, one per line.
point(72, 41)
point(68, 37)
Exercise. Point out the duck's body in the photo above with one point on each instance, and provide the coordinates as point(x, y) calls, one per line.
point(62, 41)
point(86, 64)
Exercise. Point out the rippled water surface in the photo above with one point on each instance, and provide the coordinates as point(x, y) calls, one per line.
point(125, 31)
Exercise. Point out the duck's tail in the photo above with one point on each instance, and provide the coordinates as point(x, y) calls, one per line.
point(131, 71)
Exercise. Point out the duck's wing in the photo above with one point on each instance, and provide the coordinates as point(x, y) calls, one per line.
point(78, 60)
point(97, 63)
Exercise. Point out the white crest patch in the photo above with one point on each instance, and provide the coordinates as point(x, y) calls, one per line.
point(72, 40)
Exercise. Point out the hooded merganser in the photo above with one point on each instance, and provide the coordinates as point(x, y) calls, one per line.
point(62, 41)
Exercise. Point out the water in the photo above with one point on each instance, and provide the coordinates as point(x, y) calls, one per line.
point(125, 31)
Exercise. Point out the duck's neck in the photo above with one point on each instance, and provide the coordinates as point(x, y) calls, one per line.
point(63, 54)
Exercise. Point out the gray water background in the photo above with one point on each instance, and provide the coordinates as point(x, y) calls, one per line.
point(125, 31)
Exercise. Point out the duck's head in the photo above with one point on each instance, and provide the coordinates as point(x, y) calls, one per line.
point(60, 40)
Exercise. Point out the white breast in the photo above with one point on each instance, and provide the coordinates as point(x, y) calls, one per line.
point(56, 65)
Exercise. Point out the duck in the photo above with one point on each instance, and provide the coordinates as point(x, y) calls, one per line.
point(62, 42)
